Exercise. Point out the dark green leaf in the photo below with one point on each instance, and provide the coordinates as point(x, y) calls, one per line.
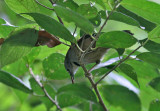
point(87, 11)
point(35, 86)
point(2, 21)
point(152, 46)
point(48, 103)
point(52, 26)
point(143, 22)
point(17, 45)
point(154, 35)
point(116, 39)
point(121, 96)
point(66, 99)
point(54, 66)
point(78, 90)
point(120, 51)
point(155, 84)
point(13, 82)
point(154, 105)
point(96, 21)
point(78, 19)
point(120, 17)
point(152, 58)
point(129, 71)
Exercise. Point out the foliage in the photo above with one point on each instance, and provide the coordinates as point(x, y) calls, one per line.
point(128, 79)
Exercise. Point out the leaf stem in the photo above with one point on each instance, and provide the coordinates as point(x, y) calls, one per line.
point(44, 90)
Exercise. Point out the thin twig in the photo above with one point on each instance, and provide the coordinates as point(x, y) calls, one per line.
point(95, 87)
point(43, 5)
point(118, 64)
point(44, 90)
point(75, 30)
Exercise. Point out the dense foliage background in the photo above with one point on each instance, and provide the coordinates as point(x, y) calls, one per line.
point(31, 69)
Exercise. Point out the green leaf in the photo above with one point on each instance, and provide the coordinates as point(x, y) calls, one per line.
point(87, 11)
point(143, 22)
point(154, 35)
point(5, 30)
point(150, 57)
point(147, 9)
point(52, 26)
point(143, 69)
point(129, 71)
point(66, 99)
point(120, 17)
point(2, 21)
point(154, 105)
point(120, 51)
point(35, 87)
point(54, 66)
point(78, 90)
point(17, 45)
point(116, 39)
point(120, 96)
point(152, 46)
point(13, 82)
point(155, 84)
point(102, 3)
point(72, 16)
point(27, 6)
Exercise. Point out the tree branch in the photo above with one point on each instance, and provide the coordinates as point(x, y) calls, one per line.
point(44, 90)
point(89, 76)
point(118, 64)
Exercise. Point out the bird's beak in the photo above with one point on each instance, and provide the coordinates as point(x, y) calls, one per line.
point(72, 78)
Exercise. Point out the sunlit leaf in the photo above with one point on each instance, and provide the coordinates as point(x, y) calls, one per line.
point(154, 35)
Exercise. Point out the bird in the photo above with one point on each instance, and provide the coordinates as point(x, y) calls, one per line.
point(94, 55)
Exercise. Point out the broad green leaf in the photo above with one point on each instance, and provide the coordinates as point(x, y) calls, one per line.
point(2, 21)
point(152, 46)
point(155, 83)
point(47, 102)
point(13, 82)
point(5, 29)
point(54, 66)
point(102, 3)
point(17, 45)
point(87, 11)
point(154, 35)
point(154, 105)
point(17, 68)
point(121, 96)
point(152, 58)
point(52, 26)
point(96, 21)
point(27, 6)
point(78, 90)
point(120, 51)
point(120, 17)
point(68, 4)
point(147, 9)
point(66, 99)
point(143, 69)
point(143, 22)
point(72, 16)
point(116, 39)
point(36, 87)
point(129, 71)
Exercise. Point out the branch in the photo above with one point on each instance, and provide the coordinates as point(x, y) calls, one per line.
point(98, 34)
point(44, 90)
point(118, 64)
point(89, 76)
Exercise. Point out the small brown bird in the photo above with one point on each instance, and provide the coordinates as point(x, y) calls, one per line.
point(72, 57)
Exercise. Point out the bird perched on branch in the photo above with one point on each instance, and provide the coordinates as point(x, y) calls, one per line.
point(72, 59)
